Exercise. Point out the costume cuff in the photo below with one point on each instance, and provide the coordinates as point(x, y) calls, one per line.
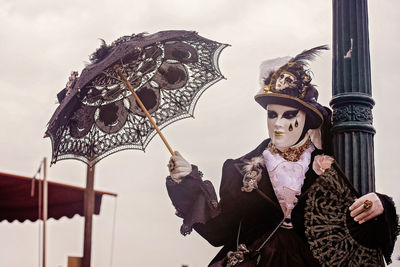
point(389, 223)
point(195, 200)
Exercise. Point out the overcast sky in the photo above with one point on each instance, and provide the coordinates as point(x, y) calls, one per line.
point(43, 41)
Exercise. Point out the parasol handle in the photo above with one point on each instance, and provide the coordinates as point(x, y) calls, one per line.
point(128, 84)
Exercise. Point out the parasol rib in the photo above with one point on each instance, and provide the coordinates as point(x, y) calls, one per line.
point(129, 86)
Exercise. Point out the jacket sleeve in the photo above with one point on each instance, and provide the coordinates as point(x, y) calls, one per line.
point(389, 227)
point(196, 202)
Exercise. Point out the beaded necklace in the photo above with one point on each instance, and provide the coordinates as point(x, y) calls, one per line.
point(292, 153)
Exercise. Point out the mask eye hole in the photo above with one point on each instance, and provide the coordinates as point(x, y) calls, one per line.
point(281, 76)
point(290, 114)
point(272, 114)
point(288, 80)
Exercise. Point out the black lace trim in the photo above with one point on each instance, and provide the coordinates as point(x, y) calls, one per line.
point(393, 226)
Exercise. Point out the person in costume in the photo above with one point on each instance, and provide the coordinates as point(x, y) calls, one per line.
point(286, 203)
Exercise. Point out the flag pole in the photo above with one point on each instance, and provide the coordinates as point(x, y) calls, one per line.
point(45, 209)
point(88, 211)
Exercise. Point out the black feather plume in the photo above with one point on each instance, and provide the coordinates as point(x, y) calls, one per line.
point(100, 53)
point(309, 55)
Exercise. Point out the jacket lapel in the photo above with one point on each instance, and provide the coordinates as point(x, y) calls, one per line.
point(264, 185)
point(310, 175)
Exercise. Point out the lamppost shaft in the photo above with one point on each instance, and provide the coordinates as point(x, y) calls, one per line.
point(352, 101)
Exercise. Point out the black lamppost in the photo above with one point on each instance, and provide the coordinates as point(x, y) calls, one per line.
point(351, 88)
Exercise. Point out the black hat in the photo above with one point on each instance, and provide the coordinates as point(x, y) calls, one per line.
point(287, 81)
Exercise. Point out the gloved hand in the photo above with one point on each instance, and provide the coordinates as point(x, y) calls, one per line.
point(178, 167)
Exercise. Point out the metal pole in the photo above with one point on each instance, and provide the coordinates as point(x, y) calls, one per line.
point(88, 210)
point(352, 101)
point(45, 209)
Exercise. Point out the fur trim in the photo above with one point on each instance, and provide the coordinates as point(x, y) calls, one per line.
point(102, 52)
point(253, 163)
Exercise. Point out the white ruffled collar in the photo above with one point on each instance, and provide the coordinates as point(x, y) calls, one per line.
point(287, 177)
point(273, 160)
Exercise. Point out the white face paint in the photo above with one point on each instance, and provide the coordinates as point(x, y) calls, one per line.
point(285, 125)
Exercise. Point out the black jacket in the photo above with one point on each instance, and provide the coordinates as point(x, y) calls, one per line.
point(196, 202)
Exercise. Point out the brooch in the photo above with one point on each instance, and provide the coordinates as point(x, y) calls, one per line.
point(236, 257)
point(250, 181)
point(252, 174)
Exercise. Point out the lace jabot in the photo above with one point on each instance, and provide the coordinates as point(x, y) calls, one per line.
point(287, 177)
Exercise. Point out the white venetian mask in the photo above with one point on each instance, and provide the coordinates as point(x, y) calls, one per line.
point(285, 125)
point(284, 81)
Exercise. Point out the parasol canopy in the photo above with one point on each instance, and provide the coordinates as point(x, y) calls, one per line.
point(98, 115)
point(17, 202)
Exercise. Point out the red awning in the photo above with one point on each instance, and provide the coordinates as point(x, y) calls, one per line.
point(16, 202)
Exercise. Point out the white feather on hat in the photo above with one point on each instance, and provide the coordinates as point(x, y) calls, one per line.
point(270, 66)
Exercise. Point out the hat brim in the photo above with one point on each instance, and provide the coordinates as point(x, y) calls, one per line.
point(265, 99)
